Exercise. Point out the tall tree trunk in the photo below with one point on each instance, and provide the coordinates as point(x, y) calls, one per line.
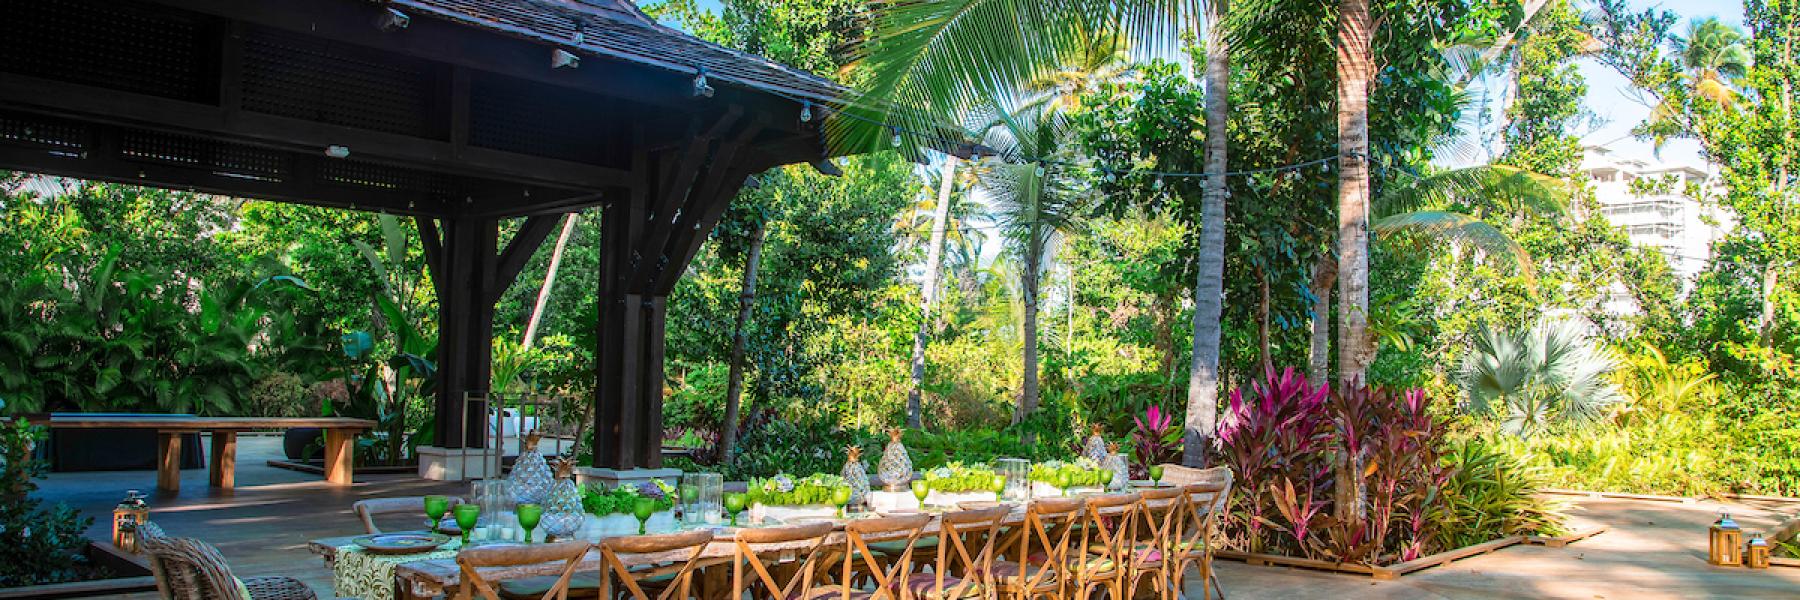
point(1262, 320)
point(1203, 373)
point(934, 257)
point(1028, 288)
point(543, 298)
point(740, 337)
point(1324, 277)
point(1355, 67)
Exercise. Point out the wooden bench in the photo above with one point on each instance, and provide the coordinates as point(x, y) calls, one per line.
point(340, 437)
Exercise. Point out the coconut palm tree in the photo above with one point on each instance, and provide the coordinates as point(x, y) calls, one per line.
point(1355, 69)
point(1715, 55)
point(1533, 378)
point(1454, 205)
point(1034, 204)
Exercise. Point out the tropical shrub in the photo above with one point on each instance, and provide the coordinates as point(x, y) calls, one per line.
point(1531, 378)
point(770, 445)
point(37, 545)
point(1156, 440)
point(1489, 491)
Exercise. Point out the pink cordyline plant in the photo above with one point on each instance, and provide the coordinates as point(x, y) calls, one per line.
point(1157, 440)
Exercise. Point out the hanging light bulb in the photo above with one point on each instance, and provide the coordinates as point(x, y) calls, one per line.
point(1111, 177)
point(806, 111)
point(1040, 169)
point(1156, 185)
point(701, 87)
point(896, 131)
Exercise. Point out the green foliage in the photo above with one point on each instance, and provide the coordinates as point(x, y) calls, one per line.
point(1489, 494)
point(37, 545)
point(784, 490)
point(1081, 473)
point(772, 445)
point(1532, 378)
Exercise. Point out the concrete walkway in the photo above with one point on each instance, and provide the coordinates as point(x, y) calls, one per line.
point(1651, 549)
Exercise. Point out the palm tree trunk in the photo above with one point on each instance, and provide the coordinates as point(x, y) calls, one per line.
point(1355, 67)
point(934, 257)
point(1324, 277)
point(543, 299)
point(1028, 284)
point(1262, 320)
point(740, 337)
point(1203, 373)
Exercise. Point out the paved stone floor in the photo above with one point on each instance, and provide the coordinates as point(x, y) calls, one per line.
point(1650, 550)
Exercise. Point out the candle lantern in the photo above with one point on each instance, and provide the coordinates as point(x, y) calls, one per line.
point(1758, 555)
point(1725, 542)
point(128, 516)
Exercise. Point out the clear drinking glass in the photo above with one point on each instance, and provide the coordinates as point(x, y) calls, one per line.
point(495, 497)
point(1018, 478)
point(709, 497)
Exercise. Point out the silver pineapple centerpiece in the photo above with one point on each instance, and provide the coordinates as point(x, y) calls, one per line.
point(1115, 462)
point(896, 467)
point(1095, 447)
point(563, 514)
point(531, 477)
point(856, 476)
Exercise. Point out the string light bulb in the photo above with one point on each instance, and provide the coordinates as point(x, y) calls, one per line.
point(896, 131)
point(806, 112)
point(1040, 169)
point(701, 87)
point(1157, 185)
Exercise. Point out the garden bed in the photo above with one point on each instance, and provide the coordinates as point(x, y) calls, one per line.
point(1394, 571)
point(127, 574)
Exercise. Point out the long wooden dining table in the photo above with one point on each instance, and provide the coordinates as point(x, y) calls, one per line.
point(433, 577)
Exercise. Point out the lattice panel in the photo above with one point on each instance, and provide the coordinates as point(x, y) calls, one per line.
point(537, 119)
point(369, 175)
point(218, 157)
point(293, 75)
point(114, 44)
point(42, 132)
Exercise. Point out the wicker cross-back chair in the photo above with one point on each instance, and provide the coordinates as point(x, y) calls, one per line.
point(189, 569)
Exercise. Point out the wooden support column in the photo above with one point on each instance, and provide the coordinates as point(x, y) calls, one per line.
point(222, 468)
point(340, 455)
point(168, 461)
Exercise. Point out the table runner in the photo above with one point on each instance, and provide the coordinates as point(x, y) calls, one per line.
point(361, 574)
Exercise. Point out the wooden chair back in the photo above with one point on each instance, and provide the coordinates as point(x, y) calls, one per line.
point(1159, 510)
point(1200, 508)
point(855, 549)
point(1049, 526)
point(1109, 524)
point(755, 547)
point(689, 545)
point(367, 510)
point(472, 560)
point(955, 530)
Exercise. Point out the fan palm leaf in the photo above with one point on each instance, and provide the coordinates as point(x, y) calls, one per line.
point(1532, 378)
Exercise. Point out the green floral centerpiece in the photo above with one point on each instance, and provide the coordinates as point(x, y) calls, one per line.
point(610, 510)
point(783, 496)
point(957, 482)
point(1054, 477)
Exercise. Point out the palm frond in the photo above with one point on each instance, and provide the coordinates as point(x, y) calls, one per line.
point(1482, 188)
point(1460, 228)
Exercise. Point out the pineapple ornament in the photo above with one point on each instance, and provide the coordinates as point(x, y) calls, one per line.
point(1115, 462)
point(563, 513)
point(531, 477)
point(1095, 447)
point(896, 467)
point(856, 476)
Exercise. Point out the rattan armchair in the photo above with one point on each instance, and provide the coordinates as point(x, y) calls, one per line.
point(189, 569)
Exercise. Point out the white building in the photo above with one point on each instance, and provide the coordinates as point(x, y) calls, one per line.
point(1654, 202)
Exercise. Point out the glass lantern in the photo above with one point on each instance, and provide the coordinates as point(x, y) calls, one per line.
point(1758, 555)
point(128, 516)
point(1725, 542)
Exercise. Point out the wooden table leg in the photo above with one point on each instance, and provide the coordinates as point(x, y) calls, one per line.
point(168, 461)
point(223, 467)
point(339, 455)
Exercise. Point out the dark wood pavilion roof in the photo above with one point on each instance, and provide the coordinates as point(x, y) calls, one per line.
point(617, 29)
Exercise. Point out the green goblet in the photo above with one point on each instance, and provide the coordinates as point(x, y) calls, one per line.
point(529, 514)
point(435, 507)
point(1156, 473)
point(840, 496)
point(997, 485)
point(920, 490)
point(467, 514)
point(734, 504)
point(642, 508)
point(1064, 479)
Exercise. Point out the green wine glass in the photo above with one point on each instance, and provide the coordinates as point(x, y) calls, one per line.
point(642, 508)
point(529, 515)
point(467, 514)
point(920, 490)
point(840, 496)
point(997, 485)
point(735, 503)
point(1156, 473)
point(1064, 479)
point(435, 508)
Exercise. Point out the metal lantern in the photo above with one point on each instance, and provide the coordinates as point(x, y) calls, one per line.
point(1758, 556)
point(128, 516)
point(1725, 542)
